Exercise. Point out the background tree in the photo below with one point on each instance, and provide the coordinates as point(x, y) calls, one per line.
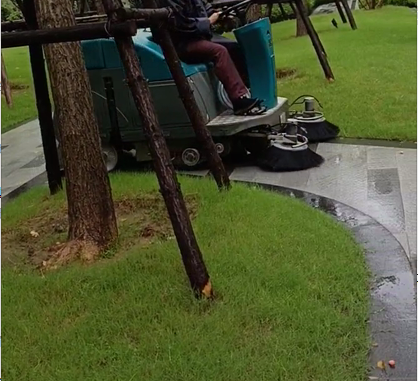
point(91, 215)
point(300, 26)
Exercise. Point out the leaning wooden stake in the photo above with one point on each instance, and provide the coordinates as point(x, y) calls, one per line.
point(203, 135)
point(167, 178)
point(5, 88)
point(340, 11)
point(349, 14)
point(319, 49)
point(283, 12)
point(43, 103)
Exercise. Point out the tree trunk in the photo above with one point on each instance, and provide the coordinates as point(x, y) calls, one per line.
point(91, 215)
point(5, 88)
point(253, 13)
point(169, 185)
point(300, 26)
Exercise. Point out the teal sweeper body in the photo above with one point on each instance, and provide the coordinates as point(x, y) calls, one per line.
point(117, 115)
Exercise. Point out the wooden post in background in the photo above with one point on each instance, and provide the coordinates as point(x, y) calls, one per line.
point(166, 175)
point(349, 14)
point(43, 103)
point(319, 49)
point(340, 11)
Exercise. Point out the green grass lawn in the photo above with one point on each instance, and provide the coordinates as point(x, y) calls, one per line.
point(291, 293)
point(18, 71)
point(375, 91)
point(374, 95)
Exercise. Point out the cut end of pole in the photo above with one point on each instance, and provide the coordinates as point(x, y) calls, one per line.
point(207, 291)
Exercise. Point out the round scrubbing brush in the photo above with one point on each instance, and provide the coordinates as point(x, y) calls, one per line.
point(289, 152)
point(312, 123)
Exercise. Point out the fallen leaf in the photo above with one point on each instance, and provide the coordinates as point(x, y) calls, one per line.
point(375, 345)
point(381, 365)
point(33, 233)
point(373, 378)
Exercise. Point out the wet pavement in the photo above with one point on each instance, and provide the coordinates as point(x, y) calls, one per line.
point(393, 319)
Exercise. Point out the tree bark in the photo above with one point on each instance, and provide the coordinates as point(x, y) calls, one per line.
point(253, 13)
point(167, 178)
point(203, 135)
point(91, 215)
point(5, 88)
point(300, 26)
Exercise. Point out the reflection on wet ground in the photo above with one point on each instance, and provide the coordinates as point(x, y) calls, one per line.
point(393, 319)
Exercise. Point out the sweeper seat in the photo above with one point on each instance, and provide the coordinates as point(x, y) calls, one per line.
point(103, 54)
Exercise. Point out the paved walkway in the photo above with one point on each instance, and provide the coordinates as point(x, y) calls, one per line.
point(378, 181)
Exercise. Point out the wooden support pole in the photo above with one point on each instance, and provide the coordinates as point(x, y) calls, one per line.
point(269, 10)
point(340, 11)
point(149, 14)
point(43, 105)
point(283, 12)
point(167, 178)
point(349, 14)
point(316, 42)
point(68, 34)
point(10, 26)
point(5, 85)
point(162, 37)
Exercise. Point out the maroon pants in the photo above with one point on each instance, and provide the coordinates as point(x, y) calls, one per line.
point(202, 51)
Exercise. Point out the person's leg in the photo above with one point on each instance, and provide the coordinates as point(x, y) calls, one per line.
point(236, 54)
point(203, 51)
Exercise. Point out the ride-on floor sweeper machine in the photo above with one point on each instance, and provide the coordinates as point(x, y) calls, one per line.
point(117, 115)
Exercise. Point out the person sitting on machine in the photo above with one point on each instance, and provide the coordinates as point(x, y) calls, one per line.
point(191, 32)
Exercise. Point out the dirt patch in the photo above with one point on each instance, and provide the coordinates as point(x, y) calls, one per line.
point(18, 86)
point(285, 72)
point(142, 219)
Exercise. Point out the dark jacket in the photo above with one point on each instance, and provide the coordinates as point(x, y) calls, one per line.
point(190, 20)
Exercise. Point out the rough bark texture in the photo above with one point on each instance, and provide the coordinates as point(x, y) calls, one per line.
point(186, 94)
point(253, 13)
point(300, 26)
point(92, 221)
point(169, 185)
point(5, 88)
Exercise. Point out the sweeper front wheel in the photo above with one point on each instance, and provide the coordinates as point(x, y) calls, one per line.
point(110, 156)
